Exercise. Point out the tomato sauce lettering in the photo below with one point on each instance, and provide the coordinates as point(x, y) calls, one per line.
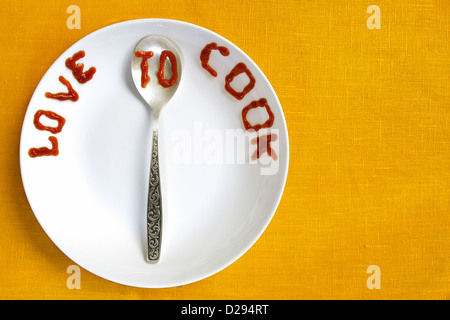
point(44, 151)
point(262, 142)
point(206, 53)
point(162, 61)
point(77, 68)
point(238, 69)
point(50, 115)
point(145, 55)
point(255, 104)
point(70, 95)
point(263, 145)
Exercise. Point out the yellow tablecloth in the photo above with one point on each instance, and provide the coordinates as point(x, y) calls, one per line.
point(368, 118)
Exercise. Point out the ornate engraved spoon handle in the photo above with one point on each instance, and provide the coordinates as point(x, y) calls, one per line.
point(154, 206)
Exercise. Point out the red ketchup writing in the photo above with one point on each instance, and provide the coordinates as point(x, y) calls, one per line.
point(44, 151)
point(71, 94)
point(77, 68)
point(205, 54)
point(162, 61)
point(262, 142)
point(145, 55)
point(165, 54)
point(240, 68)
point(50, 115)
point(263, 145)
point(255, 104)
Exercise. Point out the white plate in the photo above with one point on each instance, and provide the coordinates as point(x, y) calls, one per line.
point(91, 198)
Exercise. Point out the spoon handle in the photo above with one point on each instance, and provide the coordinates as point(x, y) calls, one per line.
point(154, 205)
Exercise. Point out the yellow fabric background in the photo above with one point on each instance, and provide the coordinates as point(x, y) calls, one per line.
point(368, 119)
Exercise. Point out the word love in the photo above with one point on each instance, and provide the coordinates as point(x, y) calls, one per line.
point(82, 77)
point(263, 142)
point(166, 54)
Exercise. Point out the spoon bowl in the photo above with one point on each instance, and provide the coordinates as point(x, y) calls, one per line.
point(156, 69)
point(154, 94)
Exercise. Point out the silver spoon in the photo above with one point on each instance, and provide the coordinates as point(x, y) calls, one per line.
point(156, 95)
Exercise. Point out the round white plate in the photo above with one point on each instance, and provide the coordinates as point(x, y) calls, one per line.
point(91, 199)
